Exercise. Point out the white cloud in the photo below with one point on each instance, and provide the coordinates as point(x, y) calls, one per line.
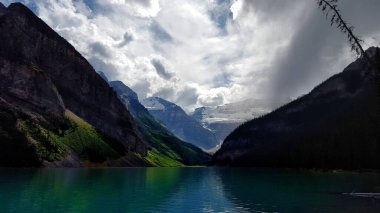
point(236, 7)
point(211, 52)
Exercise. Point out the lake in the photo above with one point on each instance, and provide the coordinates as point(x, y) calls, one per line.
point(184, 190)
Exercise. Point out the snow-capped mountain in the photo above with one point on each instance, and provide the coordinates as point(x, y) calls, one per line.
point(180, 123)
point(156, 103)
point(222, 120)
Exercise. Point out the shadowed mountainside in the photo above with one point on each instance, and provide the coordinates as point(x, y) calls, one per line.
point(54, 108)
point(167, 149)
point(335, 126)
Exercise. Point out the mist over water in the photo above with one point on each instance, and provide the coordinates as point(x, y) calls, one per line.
point(183, 190)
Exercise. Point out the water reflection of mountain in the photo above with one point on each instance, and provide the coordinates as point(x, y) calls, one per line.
point(184, 190)
point(298, 191)
point(201, 192)
point(88, 190)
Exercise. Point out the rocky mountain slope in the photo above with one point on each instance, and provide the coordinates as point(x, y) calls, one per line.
point(167, 149)
point(336, 125)
point(179, 123)
point(54, 108)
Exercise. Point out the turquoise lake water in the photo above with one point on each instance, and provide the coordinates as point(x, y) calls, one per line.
point(184, 190)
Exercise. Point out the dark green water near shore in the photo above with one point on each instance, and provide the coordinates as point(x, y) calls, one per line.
point(184, 190)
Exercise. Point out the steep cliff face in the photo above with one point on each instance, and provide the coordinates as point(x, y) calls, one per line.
point(28, 88)
point(335, 126)
point(129, 98)
point(42, 76)
point(30, 41)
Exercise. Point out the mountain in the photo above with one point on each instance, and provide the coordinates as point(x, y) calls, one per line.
point(335, 126)
point(210, 119)
point(179, 123)
point(222, 120)
point(103, 76)
point(167, 149)
point(129, 99)
point(3, 9)
point(55, 110)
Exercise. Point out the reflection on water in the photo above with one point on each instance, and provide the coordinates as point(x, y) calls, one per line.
point(183, 190)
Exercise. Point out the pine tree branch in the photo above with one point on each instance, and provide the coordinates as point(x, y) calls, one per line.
point(337, 19)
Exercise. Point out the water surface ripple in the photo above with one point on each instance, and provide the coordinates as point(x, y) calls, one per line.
point(184, 190)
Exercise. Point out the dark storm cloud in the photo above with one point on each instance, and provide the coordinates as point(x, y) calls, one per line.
point(161, 70)
point(363, 14)
point(304, 63)
point(308, 59)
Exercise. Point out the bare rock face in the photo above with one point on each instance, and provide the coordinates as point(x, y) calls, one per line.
point(27, 88)
point(41, 75)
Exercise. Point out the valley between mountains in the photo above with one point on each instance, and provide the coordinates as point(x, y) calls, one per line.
point(57, 111)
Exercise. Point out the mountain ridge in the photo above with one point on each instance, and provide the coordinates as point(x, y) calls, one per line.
point(180, 123)
point(310, 132)
point(167, 149)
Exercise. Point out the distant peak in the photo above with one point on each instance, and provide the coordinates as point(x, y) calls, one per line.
point(156, 98)
point(121, 88)
point(19, 7)
point(2, 6)
point(152, 102)
point(118, 83)
point(102, 75)
point(161, 100)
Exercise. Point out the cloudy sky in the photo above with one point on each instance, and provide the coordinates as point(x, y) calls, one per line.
point(210, 52)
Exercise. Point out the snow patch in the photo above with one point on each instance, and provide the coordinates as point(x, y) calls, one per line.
point(153, 104)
